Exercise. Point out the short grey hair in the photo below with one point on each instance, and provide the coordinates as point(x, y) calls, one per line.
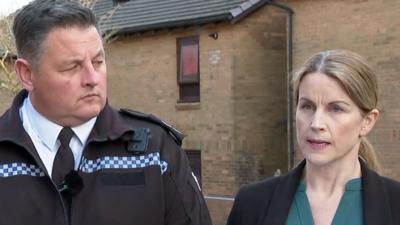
point(34, 22)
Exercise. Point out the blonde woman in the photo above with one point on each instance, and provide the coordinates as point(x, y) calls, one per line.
point(338, 181)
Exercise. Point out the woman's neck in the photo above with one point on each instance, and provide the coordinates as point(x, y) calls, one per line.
point(330, 179)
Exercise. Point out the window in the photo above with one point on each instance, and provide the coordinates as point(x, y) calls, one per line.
point(194, 157)
point(188, 69)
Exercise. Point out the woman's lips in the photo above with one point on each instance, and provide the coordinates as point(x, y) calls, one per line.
point(317, 144)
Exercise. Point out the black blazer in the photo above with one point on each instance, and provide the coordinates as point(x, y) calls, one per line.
point(268, 202)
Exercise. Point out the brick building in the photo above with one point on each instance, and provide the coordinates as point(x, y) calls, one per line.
point(217, 70)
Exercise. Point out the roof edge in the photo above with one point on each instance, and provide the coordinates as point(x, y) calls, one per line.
point(246, 8)
point(172, 24)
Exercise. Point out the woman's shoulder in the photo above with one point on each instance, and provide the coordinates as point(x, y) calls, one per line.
point(392, 186)
point(251, 201)
point(257, 193)
point(391, 189)
point(264, 189)
point(373, 181)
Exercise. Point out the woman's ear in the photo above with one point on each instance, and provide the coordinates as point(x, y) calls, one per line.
point(24, 72)
point(369, 121)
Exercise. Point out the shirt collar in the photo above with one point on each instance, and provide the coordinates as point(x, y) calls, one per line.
point(82, 131)
point(48, 131)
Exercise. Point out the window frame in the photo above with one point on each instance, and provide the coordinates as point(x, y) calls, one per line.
point(189, 84)
point(188, 78)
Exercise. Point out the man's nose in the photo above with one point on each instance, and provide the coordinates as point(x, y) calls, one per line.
point(90, 76)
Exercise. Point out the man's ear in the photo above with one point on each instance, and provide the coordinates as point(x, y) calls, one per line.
point(24, 72)
point(369, 121)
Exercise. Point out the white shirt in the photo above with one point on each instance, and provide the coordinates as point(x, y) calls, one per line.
point(44, 135)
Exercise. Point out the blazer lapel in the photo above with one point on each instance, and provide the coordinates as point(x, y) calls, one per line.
point(375, 199)
point(279, 206)
point(376, 204)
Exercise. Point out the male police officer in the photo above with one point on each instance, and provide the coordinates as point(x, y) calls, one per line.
point(66, 156)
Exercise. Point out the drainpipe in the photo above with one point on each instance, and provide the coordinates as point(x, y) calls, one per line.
point(289, 59)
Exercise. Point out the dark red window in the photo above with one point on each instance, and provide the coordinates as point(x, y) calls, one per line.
point(188, 69)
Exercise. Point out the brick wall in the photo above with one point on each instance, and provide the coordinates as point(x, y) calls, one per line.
point(369, 27)
point(143, 76)
point(239, 124)
point(260, 95)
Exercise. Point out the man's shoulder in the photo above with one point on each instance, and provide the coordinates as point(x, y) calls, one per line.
point(153, 121)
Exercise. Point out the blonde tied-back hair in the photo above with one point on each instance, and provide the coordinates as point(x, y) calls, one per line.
point(358, 79)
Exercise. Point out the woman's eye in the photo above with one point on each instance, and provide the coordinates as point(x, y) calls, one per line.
point(306, 107)
point(336, 108)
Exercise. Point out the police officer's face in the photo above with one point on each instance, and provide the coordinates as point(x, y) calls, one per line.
point(69, 85)
point(329, 124)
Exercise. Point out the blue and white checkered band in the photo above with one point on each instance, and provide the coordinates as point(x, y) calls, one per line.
point(15, 169)
point(123, 162)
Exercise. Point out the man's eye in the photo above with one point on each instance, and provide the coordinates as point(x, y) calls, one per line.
point(97, 62)
point(71, 67)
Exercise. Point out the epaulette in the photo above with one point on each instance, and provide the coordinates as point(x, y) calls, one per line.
point(177, 135)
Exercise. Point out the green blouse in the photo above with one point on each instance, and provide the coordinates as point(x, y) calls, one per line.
point(349, 210)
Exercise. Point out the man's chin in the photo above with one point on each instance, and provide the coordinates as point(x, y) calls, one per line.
point(92, 113)
point(87, 115)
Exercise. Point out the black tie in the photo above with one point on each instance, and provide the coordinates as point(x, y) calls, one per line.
point(64, 161)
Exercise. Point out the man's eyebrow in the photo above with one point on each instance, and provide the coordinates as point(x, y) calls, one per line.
point(100, 53)
point(73, 61)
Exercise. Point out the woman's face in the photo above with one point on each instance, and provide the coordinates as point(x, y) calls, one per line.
point(329, 124)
